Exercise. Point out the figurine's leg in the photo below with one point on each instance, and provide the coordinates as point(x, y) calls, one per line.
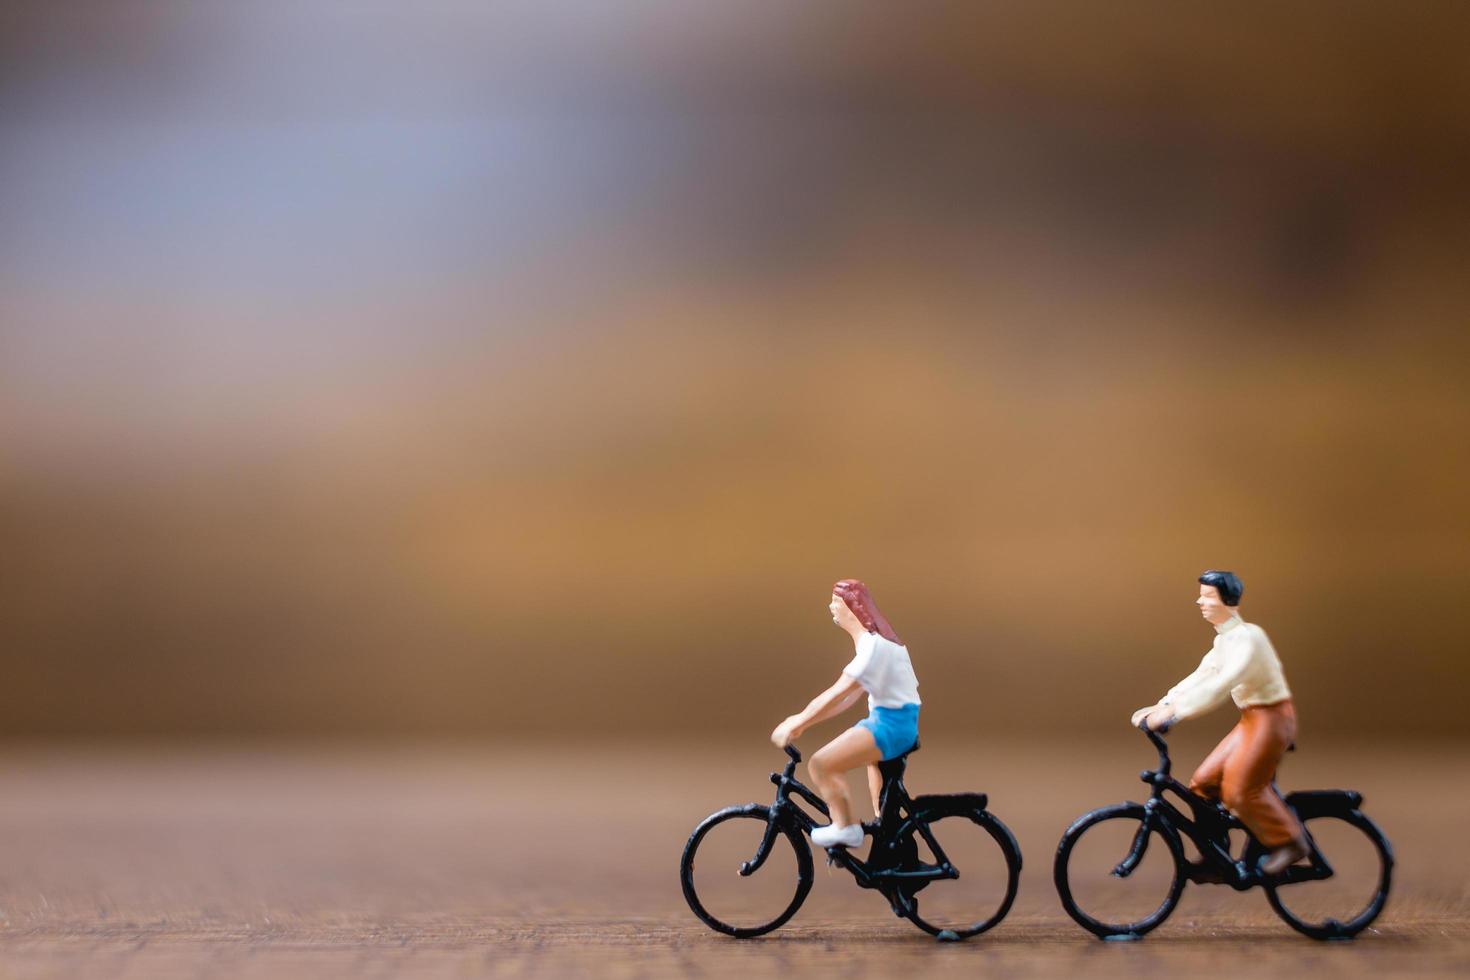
point(1206, 779)
point(1246, 788)
point(875, 786)
point(829, 766)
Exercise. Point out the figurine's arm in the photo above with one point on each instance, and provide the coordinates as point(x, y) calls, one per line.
point(1210, 690)
point(833, 701)
point(1174, 692)
point(846, 701)
point(1194, 678)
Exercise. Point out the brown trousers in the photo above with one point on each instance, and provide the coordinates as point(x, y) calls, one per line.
point(1239, 772)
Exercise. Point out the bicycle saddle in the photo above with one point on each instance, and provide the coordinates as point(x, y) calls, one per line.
point(893, 768)
point(892, 773)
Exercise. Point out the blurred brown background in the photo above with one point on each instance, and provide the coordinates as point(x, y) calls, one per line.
point(420, 369)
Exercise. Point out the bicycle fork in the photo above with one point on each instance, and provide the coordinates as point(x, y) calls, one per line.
point(1135, 854)
point(763, 850)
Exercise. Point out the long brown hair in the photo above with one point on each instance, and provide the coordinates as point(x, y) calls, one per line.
point(855, 595)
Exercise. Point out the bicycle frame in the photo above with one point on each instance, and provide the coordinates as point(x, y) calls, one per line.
point(1207, 825)
point(897, 813)
point(1209, 830)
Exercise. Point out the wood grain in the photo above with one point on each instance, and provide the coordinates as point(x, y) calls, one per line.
point(441, 860)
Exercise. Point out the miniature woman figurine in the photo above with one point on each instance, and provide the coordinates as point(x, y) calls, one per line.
point(880, 667)
point(1242, 664)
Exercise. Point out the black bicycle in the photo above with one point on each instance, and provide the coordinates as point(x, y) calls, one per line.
point(1320, 899)
point(905, 858)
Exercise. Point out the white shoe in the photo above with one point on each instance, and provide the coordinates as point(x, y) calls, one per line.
point(834, 836)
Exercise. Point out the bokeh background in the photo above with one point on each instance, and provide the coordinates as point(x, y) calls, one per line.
point(515, 369)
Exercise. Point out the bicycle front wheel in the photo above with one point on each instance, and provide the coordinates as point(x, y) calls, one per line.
point(1116, 875)
point(1343, 905)
point(735, 903)
point(984, 852)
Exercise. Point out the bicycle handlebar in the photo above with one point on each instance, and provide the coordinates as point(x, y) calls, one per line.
point(791, 751)
point(1157, 738)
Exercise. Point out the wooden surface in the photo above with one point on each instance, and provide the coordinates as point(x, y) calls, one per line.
point(468, 860)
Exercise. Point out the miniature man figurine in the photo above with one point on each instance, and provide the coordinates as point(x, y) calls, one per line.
point(881, 667)
point(1242, 664)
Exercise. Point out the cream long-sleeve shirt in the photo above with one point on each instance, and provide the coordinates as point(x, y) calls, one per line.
point(1242, 663)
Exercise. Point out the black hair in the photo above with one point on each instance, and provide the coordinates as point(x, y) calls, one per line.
point(1228, 584)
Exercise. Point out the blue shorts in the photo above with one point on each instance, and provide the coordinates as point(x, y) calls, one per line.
point(894, 729)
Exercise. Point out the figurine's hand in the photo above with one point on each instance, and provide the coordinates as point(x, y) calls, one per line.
point(1160, 718)
point(1141, 714)
point(784, 733)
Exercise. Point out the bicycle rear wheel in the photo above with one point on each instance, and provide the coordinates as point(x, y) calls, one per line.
point(1343, 905)
point(1104, 887)
point(733, 902)
point(984, 852)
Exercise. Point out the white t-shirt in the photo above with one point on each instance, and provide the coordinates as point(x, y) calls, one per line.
point(882, 667)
